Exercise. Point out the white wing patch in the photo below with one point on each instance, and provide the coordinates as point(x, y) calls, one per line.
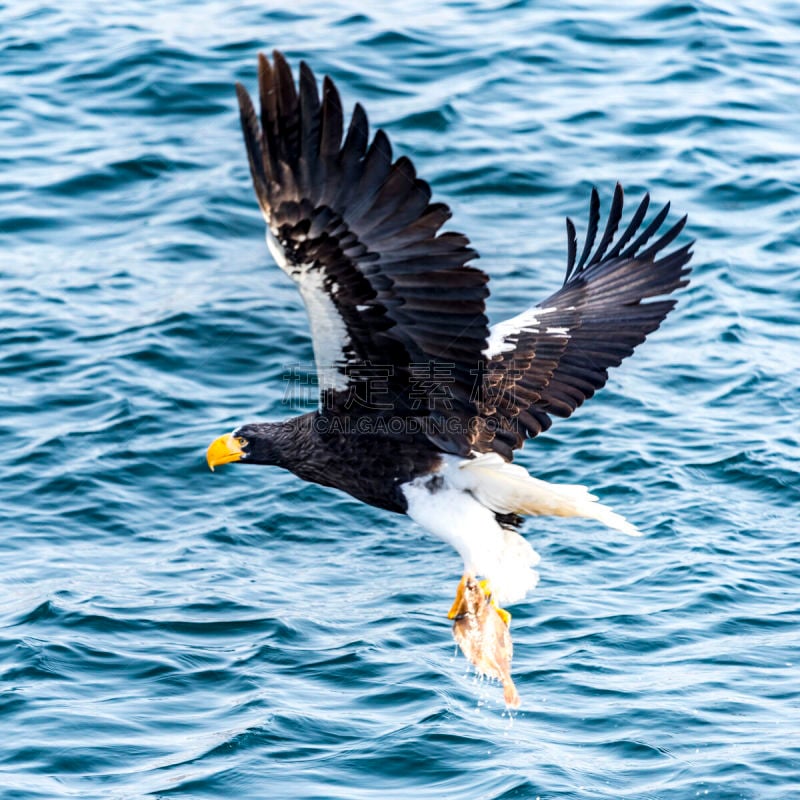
point(329, 336)
point(278, 253)
point(502, 332)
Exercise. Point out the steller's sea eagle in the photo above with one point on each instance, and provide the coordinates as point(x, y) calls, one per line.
point(422, 404)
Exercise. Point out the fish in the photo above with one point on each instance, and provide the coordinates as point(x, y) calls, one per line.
point(483, 633)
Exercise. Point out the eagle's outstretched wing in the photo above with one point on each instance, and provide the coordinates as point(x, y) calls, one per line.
point(387, 294)
point(546, 361)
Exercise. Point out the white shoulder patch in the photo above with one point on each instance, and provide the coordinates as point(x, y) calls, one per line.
point(501, 331)
point(329, 335)
point(529, 320)
point(277, 251)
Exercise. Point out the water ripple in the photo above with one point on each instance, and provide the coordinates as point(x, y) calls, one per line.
point(166, 632)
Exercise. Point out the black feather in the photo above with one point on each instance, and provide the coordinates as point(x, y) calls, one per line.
point(633, 226)
point(614, 216)
point(591, 232)
point(572, 248)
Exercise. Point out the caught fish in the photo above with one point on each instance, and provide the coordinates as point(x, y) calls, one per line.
point(481, 630)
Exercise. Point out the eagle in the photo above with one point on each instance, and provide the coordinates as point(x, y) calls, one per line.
point(421, 403)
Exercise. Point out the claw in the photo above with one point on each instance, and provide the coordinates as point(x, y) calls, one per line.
point(458, 608)
point(455, 609)
point(487, 590)
point(503, 614)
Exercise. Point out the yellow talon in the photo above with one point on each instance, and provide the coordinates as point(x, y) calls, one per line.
point(455, 609)
point(504, 615)
point(458, 604)
point(487, 590)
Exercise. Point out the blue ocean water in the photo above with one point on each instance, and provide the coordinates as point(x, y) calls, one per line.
point(166, 632)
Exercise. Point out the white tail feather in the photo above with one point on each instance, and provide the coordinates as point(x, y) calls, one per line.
point(509, 489)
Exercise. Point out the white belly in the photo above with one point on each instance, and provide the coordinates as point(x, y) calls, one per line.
point(488, 550)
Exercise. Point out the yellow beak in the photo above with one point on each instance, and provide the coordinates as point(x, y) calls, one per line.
point(224, 450)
